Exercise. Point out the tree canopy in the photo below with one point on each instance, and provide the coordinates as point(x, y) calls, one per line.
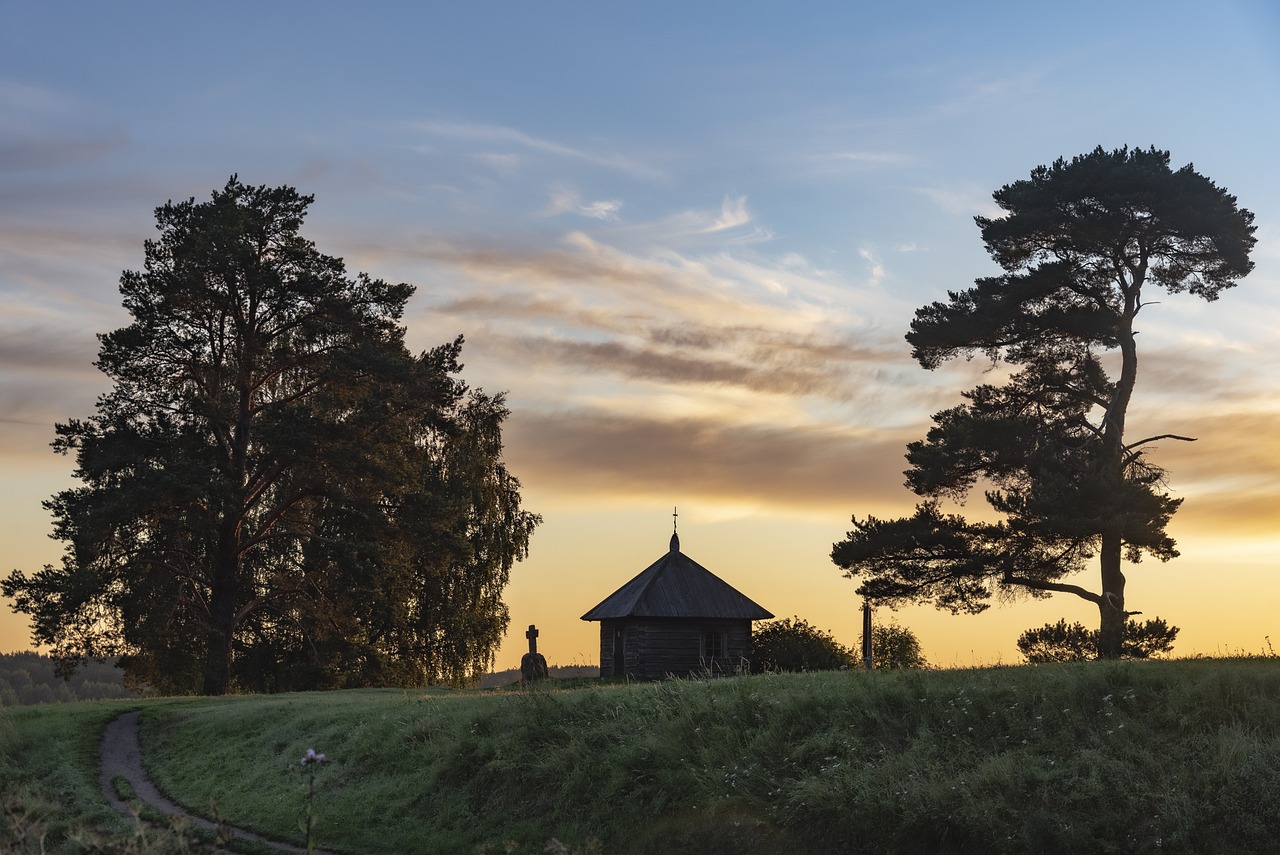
point(1081, 243)
point(275, 493)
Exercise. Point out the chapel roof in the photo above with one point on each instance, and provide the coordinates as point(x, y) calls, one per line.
point(677, 586)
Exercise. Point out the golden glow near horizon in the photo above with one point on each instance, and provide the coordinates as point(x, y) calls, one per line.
point(693, 285)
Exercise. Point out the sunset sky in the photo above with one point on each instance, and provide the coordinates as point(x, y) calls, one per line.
point(687, 239)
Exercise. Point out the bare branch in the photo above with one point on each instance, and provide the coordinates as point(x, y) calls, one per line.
point(1058, 587)
point(1131, 446)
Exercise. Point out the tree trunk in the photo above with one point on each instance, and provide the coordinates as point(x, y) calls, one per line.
point(1111, 606)
point(224, 595)
point(222, 613)
point(217, 666)
point(217, 662)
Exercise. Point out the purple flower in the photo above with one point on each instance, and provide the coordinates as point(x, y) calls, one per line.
point(312, 757)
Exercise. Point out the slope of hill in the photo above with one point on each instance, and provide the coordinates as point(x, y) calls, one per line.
point(1177, 756)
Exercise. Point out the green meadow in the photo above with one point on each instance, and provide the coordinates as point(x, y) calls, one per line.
point(1171, 756)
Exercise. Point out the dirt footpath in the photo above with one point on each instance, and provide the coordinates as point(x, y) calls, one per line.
point(122, 758)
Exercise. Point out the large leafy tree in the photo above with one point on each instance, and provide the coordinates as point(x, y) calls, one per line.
point(1083, 244)
point(275, 492)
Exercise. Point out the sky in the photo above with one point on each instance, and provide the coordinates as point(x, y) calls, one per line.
point(686, 239)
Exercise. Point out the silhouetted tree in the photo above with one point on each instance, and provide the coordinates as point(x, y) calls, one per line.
point(1063, 642)
point(895, 647)
point(791, 644)
point(1079, 242)
point(276, 493)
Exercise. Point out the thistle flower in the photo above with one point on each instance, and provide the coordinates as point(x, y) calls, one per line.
point(312, 757)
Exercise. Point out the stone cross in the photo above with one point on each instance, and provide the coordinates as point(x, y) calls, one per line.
point(533, 665)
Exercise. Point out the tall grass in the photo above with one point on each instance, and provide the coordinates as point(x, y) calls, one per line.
point(48, 770)
point(1127, 757)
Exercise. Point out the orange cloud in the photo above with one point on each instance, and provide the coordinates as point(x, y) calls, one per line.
point(816, 467)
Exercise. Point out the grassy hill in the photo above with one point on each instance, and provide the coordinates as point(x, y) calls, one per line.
point(1179, 756)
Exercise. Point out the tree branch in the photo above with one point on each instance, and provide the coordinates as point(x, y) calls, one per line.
point(1058, 587)
point(1131, 446)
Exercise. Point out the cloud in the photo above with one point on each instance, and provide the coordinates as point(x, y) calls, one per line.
point(507, 164)
point(485, 133)
point(45, 350)
point(964, 199)
point(46, 375)
point(58, 244)
point(751, 361)
point(732, 218)
point(1230, 476)
point(843, 161)
point(44, 129)
point(586, 271)
point(51, 153)
point(876, 268)
point(589, 308)
point(592, 453)
point(733, 213)
point(565, 202)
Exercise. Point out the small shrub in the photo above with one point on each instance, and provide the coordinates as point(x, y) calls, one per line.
point(1063, 642)
point(895, 647)
point(791, 644)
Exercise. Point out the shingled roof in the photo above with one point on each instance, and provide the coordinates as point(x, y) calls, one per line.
point(677, 586)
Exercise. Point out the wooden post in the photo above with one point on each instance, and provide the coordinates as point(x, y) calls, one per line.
point(868, 661)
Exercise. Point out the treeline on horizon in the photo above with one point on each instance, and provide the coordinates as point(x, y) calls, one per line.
point(497, 679)
point(28, 678)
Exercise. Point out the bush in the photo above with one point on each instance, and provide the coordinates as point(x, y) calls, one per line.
point(894, 646)
point(1063, 642)
point(791, 644)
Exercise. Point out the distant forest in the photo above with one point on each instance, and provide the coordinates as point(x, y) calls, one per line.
point(27, 678)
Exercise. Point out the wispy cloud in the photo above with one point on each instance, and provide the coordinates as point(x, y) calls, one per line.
point(732, 224)
point(964, 199)
point(874, 267)
point(840, 162)
point(566, 202)
point(690, 360)
point(733, 213)
point(500, 134)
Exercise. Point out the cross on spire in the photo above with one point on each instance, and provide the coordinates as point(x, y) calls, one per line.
point(674, 513)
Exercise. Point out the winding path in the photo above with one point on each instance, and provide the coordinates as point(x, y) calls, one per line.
point(121, 755)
